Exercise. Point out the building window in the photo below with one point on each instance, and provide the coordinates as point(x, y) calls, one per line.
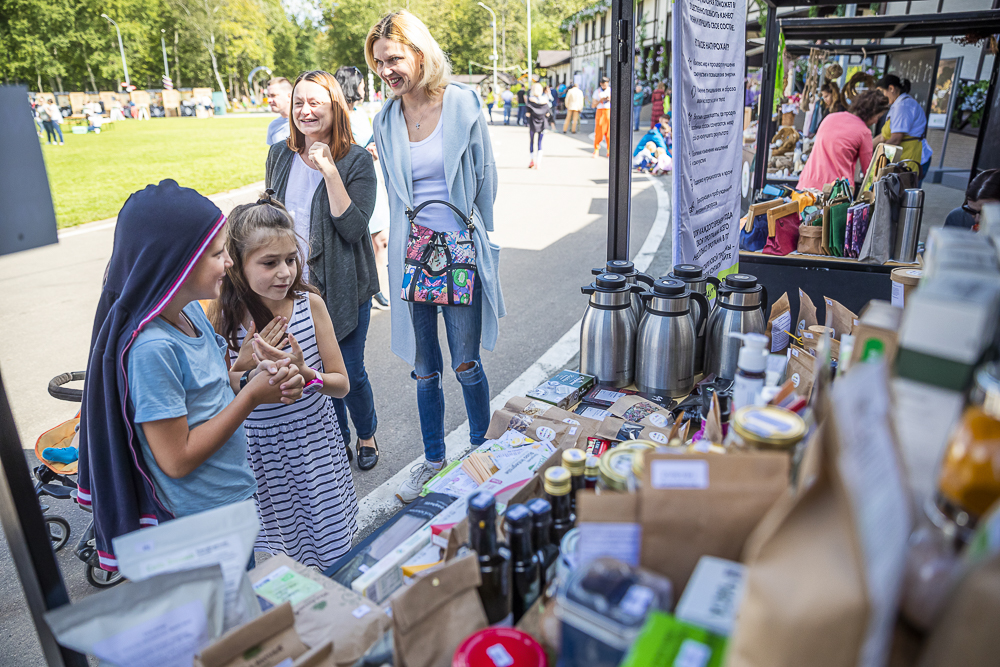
point(586, 33)
point(576, 35)
point(638, 14)
point(602, 26)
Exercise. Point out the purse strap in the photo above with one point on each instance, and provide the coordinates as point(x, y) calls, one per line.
point(467, 219)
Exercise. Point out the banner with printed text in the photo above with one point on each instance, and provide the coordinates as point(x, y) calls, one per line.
point(709, 44)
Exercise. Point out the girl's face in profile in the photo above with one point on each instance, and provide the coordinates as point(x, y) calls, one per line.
point(205, 279)
point(270, 270)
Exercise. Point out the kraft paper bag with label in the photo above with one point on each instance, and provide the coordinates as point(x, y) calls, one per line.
point(691, 506)
point(435, 614)
point(638, 410)
point(267, 641)
point(841, 318)
point(966, 634)
point(807, 314)
point(801, 370)
point(779, 325)
point(528, 416)
point(825, 566)
point(324, 610)
point(619, 430)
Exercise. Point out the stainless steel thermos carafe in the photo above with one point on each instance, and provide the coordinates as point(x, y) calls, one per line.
point(693, 276)
point(740, 304)
point(908, 228)
point(666, 344)
point(627, 269)
point(607, 334)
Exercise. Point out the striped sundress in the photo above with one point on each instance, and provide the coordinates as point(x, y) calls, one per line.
point(305, 492)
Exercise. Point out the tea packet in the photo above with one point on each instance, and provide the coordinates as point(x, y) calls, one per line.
point(270, 640)
point(542, 421)
point(162, 621)
point(807, 314)
point(779, 324)
point(638, 410)
point(801, 370)
point(841, 318)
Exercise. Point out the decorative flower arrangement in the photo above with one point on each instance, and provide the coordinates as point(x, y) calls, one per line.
point(586, 13)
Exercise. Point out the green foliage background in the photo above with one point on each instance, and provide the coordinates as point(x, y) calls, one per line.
point(67, 46)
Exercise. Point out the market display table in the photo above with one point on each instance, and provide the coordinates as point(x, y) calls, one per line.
point(848, 281)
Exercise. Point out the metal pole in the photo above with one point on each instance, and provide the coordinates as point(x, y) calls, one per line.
point(620, 150)
point(166, 67)
point(956, 78)
point(121, 47)
point(494, 56)
point(765, 121)
point(528, 2)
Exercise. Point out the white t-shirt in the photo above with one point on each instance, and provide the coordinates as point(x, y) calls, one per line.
point(277, 131)
point(429, 182)
point(302, 183)
point(603, 98)
point(507, 96)
point(361, 127)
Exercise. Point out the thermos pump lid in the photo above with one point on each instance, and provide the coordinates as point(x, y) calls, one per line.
point(741, 281)
point(621, 267)
point(610, 282)
point(687, 271)
point(668, 287)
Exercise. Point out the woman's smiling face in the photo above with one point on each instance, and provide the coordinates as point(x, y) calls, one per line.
point(312, 110)
point(397, 64)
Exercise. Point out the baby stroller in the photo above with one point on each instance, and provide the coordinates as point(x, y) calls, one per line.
point(57, 480)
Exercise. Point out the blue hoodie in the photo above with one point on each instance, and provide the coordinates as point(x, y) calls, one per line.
point(161, 233)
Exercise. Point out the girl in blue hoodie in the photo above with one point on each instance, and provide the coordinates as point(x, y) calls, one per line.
point(162, 422)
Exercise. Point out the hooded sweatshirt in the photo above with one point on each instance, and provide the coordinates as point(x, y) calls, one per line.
point(471, 174)
point(161, 233)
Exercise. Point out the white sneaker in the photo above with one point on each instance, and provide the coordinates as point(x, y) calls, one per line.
point(420, 474)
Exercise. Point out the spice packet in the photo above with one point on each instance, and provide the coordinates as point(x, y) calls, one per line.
point(779, 324)
point(801, 371)
point(807, 314)
point(638, 410)
point(839, 317)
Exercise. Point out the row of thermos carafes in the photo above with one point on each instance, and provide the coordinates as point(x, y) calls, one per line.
point(660, 334)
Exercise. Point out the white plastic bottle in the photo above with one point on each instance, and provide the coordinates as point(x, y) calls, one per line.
point(750, 369)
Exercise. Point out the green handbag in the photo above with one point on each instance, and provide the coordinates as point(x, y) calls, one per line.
point(839, 202)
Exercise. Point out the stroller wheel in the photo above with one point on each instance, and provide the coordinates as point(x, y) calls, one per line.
point(58, 531)
point(99, 578)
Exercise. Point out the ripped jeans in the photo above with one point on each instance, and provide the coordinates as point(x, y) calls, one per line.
point(464, 327)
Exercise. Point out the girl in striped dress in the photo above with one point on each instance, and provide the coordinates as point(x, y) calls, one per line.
point(305, 492)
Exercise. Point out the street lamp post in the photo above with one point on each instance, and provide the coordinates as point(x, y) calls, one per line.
point(528, 2)
point(166, 68)
point(121, 47)
point(494, 56)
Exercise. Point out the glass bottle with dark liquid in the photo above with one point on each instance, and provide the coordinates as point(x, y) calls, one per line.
point(558, 483)
point(541, 534)
point(591, 472)
point(494, 560)
point(525, 583)
point(575, 461)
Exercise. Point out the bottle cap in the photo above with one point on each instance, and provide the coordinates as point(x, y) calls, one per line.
point(753, 353)
point(575, 461)
point(558, 481)
point(518, 517)
point(482, 507)
point(541, 509)
point(592, 466)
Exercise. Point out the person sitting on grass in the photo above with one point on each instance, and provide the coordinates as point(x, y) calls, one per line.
point(644, 159)
point(653, 135)
point(664, 162)
point(161, 430)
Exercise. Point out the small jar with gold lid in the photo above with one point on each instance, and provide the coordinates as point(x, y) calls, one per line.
point(765, 427)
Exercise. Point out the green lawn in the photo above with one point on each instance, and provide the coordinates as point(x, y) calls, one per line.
point(93, 174)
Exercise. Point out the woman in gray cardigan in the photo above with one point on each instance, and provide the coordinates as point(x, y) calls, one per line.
point(328, 184)
point(433, 144)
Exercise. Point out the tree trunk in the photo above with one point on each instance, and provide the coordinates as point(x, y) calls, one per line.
point(177, 67)
point(90, 72)
point(215, 67)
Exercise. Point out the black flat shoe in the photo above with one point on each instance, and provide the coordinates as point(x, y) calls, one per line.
point(350, 454)
point(367, 456)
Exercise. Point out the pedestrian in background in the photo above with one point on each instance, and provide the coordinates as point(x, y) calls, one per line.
point(328, 184)
point(659, 94)
point(490, 100)
point(522, 110)
point(574, 105)
point(539, 109)
point(52, 119)
point(435, 145)
point(602, 118)
point(279, 99)
point(508, 98)
point(638, 97)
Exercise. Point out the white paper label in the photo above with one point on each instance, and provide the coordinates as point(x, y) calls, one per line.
point(571, 421)
point(361, 611)
point(170, 640)
point(287, 662)
point(363, 568)
point(499, 655)
point(658, 420)
point(679, 474)
point(692, 654)
point(595, 413)
point(656, 436)
point(779, 331)
point(608, 395)
point(612, 540)
point(545, 433)
point(897, 294)
point(636, 600)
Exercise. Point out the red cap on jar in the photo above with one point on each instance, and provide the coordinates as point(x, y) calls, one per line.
point(500, 647)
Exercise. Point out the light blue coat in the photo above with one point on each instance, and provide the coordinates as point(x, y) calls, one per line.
point(471, 174)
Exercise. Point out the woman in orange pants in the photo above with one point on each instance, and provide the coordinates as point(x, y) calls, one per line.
point(602, 102)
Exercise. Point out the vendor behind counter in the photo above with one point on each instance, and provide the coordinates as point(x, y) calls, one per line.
point(844, 139)
point(906, 125)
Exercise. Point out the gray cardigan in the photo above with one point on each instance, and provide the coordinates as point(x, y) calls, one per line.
point(341, 259)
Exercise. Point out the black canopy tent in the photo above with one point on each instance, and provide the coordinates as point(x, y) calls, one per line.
point(982, 23)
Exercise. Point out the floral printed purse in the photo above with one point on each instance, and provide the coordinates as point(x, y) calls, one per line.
point(440, 267)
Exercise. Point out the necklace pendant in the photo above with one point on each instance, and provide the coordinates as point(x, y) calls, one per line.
point(418, 126)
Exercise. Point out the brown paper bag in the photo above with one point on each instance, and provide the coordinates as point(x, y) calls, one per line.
point(966, 634)
point(638, 410)
point(266, 641)
point(801, 371)
point(807, 314)
point(841, 318)
point(779, 324)
point(691, 506)
point(435, 614)
point(336, 613)
point(619, 430)
point(321, 656)
point(537, 419)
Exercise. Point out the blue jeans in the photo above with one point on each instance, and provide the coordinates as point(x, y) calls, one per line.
point(506, 114)
point(359, 401)
point(522, 115)
point(490, 107)
point(464, 326)
point(51, 130)
point(636, 112)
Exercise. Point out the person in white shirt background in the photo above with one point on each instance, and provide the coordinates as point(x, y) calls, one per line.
point(507, 98)
point(279, 98)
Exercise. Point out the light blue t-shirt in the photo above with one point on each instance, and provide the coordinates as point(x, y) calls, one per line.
point(907, 116)
point(277, 131)
point(173, 375)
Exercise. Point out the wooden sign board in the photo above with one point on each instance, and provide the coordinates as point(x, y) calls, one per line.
point(76, 101)
point(171, 99)
point(201, 92)
point(140, 98)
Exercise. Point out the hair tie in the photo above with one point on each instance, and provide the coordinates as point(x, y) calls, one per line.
point(267, 198)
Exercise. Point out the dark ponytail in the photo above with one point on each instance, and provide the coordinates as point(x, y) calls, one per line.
point(893, 80)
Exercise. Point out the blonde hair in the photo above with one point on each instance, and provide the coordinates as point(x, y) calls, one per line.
point(536, 90)
point(405, 28)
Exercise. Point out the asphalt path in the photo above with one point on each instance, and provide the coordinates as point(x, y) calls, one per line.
point(550, 222)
